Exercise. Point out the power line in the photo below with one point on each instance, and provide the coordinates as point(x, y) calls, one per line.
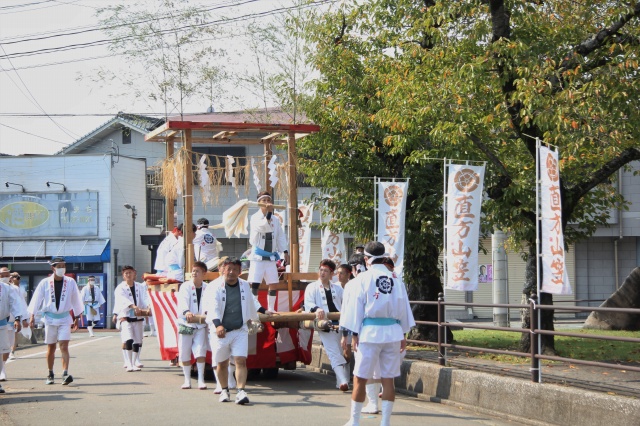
point(43, 7)
point(206, 24)
point(33, 134)
point(17, 6)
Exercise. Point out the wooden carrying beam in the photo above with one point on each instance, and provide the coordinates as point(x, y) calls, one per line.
point(279, 317)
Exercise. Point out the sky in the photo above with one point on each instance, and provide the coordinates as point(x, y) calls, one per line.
point(49, 100)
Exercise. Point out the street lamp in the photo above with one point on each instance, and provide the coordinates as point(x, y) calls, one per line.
point(134, 213)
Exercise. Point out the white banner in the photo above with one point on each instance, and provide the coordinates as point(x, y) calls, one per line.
point(333, 248)
point(392, 207)
point(304, 236)
point(554, 272)
point(464, 189)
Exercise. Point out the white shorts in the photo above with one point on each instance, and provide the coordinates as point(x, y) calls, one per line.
point(5, 346)
point(384, 357)
point(195, 343)
point(132, 331)
point(234, 343)
point(56, 333)
point(267, 269)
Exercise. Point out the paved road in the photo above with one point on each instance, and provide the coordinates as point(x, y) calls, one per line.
point(104, 394)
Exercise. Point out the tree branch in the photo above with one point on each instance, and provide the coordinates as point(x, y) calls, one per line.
point(574, 194)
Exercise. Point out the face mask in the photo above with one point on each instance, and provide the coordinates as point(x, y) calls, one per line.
point(60, 272)
point(4, 280)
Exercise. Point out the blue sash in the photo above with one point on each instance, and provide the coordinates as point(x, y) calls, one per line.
point(380, 321)
point(3, 322)
point(264, 253)
point(56, 315)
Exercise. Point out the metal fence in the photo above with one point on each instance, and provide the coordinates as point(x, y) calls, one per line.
point(536, 333)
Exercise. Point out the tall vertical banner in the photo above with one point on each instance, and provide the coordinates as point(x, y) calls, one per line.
point(333, 246)
point(554, 271)
point(464, 192)
point(392, 208)
point(304, 236)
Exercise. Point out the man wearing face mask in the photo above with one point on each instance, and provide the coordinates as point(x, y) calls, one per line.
point(9, 305)
point(59, 300)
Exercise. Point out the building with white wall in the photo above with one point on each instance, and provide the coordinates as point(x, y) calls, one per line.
point(79, 214)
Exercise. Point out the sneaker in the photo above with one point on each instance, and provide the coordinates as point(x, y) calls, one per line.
point(242, 398)
point(1, 390)
point(49, 380)
point(224, 396)
point(370, 409)
point(67, 380)
point(65, 374)
point(12, 355)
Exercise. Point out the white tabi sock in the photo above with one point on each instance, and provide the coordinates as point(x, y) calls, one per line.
point(356, 408)
point(341, 375)
point(3, 374)
point(272, 303)
point(387, 408)
point(186, 370)
point(128, 359)
point(90, 328)
point(200, 366)
point(372, 390)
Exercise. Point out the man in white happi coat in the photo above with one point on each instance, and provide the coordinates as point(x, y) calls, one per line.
point(376, 310)
point(14, 280)
point(58, 298)
point(205, 245)
point(7, 352)
point(10, 309)
point(92, 298)
point(130, 305)
point(192, 337)
point(229, 306)
point(322, 297)
point(267, 240)
point(170, 255)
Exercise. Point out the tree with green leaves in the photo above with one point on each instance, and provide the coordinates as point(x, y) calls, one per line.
point(172, 47)
point(404, 81)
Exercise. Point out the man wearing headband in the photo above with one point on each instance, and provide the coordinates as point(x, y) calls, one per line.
point(322, 297)
point(10, 310)
point(267, 240)
point(170, 255)
point(59, 300)
point(92, 298)
point(376, 310)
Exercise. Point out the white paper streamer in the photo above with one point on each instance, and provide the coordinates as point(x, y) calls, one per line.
point(273, 171)
point(230, 177)
point(205, 185)
point(256, 176)
point(178, 182)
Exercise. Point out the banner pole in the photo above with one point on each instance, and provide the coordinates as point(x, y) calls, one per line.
point(538, 254)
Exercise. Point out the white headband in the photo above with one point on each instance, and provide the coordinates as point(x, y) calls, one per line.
point(366, 253)
point(263, 196)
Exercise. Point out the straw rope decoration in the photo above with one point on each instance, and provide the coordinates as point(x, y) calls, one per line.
point(170, 176)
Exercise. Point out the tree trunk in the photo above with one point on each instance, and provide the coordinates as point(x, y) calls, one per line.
point(426, 288)
point(546, 316)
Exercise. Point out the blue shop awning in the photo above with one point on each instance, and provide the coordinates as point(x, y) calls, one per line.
point(74, 251)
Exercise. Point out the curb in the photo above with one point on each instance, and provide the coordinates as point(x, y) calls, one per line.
point(510, 398)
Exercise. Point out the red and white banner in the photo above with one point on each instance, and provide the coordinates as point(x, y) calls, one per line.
point(464, 202)
point(333, 247)
point(165, 314)
point(554, 271)
point(392, 207)
point(304, 236)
